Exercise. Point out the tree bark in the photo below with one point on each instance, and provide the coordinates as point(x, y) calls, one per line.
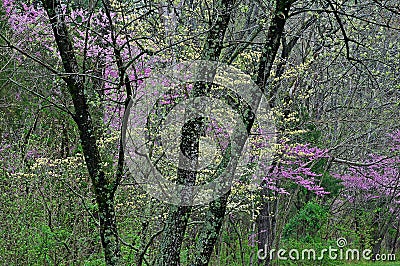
point(102, 187)
point(395, 239)
point(178, 216)
point(216, 212)
point(210, 231)
point(266, 222)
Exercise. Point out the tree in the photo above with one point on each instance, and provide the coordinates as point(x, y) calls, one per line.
point(326, 80)
point(78, 82)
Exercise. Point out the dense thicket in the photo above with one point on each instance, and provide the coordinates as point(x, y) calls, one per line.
point(328, 74)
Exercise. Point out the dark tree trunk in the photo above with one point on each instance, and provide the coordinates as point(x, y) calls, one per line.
point(266, 221)
point(178, 216)
point(210, 231)
point(104, 190)
point(395, 239)
point(382, 227)
point(216, 212)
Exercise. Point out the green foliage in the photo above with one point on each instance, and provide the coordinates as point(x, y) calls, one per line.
point(307, 222)
point(42, 222)
point(48, 212)
point(311, 135)
point(330, 183)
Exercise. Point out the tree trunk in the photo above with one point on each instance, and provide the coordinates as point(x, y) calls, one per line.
point(103, 189)
point(217, 208)
point(266, 221)
point(178, 216)
point(395, 239)
point(210, 231)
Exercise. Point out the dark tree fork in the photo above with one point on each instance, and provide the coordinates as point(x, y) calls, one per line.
point(178, 217)
point(176, 224)
point(216, 211)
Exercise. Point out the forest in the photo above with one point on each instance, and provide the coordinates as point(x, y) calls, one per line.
point(199, 132)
